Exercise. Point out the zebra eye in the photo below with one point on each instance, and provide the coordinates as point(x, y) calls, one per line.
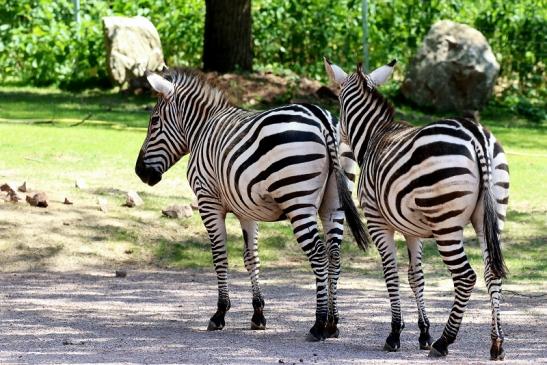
point(154, 120)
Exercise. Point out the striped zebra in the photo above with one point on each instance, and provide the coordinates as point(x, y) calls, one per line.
point(426, 182)
point(261, 166)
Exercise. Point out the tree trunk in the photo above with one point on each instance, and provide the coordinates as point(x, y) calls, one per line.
point(227, 40)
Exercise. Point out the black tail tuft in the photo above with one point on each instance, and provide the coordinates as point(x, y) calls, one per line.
point(356, 225)
point(492, 234)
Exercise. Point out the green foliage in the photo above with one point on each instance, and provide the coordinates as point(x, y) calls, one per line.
point(41, 44)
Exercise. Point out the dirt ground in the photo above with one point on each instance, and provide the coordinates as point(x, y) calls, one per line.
point(159, 317)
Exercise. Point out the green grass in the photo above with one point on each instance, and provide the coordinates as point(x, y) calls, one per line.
point(45, 142)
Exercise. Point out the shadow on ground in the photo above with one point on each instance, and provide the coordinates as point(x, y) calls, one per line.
point(160, 317)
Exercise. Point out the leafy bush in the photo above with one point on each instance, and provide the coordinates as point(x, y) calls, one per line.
point(41, 44)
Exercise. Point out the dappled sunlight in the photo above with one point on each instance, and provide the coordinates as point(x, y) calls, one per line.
point(161, 316)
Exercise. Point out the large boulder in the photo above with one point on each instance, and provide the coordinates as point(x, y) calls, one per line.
point(132, 46)
point(454, 70)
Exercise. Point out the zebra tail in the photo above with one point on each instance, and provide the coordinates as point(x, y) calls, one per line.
point(492, 234)
point(490, 219)
point(356, 225)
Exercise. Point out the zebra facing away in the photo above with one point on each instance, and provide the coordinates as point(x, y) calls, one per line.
point(426, 182)
point(262, 166)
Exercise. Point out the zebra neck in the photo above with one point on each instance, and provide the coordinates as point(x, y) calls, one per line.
point(366, 132)
point(199, 129)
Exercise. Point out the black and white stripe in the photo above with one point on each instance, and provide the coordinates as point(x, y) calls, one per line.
point(426, 182)
point(261, 166)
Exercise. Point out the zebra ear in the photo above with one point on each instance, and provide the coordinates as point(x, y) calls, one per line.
point(382, 73)
point(161, 85)
point(336, 74)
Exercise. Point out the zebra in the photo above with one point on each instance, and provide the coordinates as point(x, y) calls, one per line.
point(273, 165)
point(426, 182)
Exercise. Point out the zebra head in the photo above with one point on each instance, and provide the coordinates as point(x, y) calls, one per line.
point(165, 142)
point(357, 88)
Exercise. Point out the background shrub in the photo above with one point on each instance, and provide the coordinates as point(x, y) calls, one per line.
point(40, 44)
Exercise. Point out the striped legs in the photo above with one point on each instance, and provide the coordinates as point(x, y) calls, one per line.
point(332, 219)
point(450, 247)
point(304, 223)
point(252, 264)
point(333, 226)
point(384, 241)
point(417, 283)
point(216, 228)
point(493, 284)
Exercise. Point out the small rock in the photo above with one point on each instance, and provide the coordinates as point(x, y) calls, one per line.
point(301, 360)
point(80, 184)
point(11, 193)
point(178, 211)
point(103, 204)
point(67, 342)
point(128, 252)
point(38, 200)
point(68, 201)
point(23, 188)
point(121, 273)
point(194, 204)
point(66, 224)
point(281, 361)
point(133, 199)
point(7, 187)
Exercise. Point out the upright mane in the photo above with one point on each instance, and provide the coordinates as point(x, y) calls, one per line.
point(188, 77)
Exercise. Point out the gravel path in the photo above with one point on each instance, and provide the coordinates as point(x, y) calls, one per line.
point(160, 318)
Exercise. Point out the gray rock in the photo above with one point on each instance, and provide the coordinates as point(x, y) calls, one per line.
point(178, 211)
point(132, 46)
point(132, 199)
point(454, 70)
point(38, 200)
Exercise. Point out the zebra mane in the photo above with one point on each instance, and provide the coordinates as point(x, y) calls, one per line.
point(183, 76)
point(375, 95)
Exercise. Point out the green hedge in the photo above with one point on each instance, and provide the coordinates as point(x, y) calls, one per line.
point(41, 44)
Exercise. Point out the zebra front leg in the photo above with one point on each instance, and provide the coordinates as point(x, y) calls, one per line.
point(384, 241)
point(450, 247)
point(304, 223)
point(417, 283)
point(252, 264)
point(216, 228)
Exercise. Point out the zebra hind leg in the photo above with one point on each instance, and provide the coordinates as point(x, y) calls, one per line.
point(417, 283)
point(384, 241)
point(252, 264)
point(304, 224)
point(216, 229)
point(493, 284)
point(332, 219)
point(450, 247)
point(333, 226)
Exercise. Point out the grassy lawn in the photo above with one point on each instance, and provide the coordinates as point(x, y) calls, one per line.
point(50, 138)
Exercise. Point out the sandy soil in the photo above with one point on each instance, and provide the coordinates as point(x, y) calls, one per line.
point(159, 317)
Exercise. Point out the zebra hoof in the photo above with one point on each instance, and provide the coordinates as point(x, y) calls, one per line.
point(216, 323)
point(390, 348)
point(260, 327)
point(438, 349)
point(214, 327)
point(258, 322)
point(317, 332)
point(425, 341)
point(332, 332)
point(310, 337)
point(393, 342)
point(497, 353)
